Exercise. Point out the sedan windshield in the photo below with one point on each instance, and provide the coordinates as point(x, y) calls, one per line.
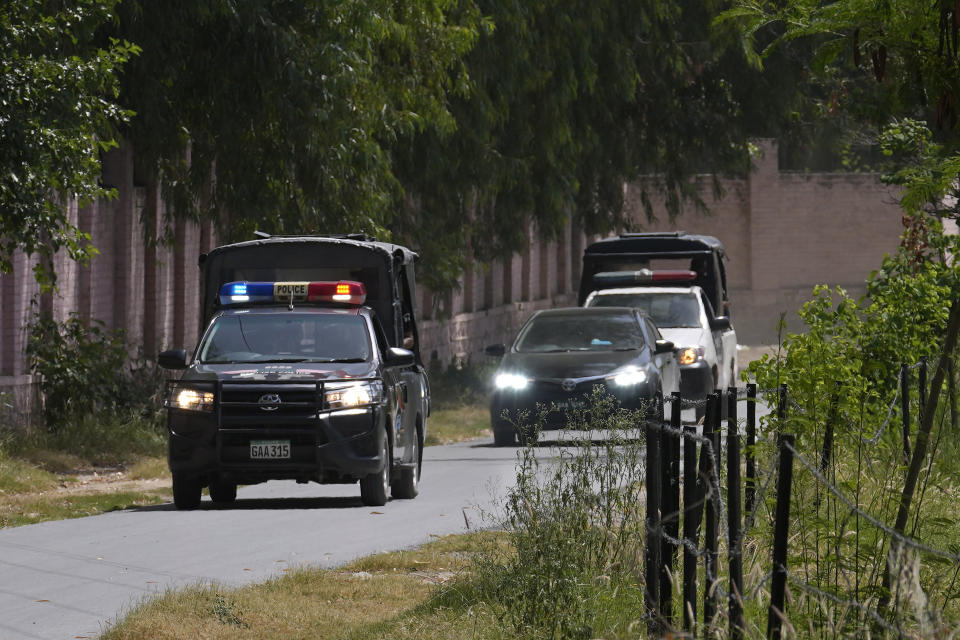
point(286, 337)
point(667, 310)
point(580, 332)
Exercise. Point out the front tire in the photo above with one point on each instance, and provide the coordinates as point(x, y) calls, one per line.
point(186, 491)
point(504, 437)
point(375, 487)
point(407, 485)
point(222, 491)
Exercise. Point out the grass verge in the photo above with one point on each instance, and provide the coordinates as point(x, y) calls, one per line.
point(422, 593)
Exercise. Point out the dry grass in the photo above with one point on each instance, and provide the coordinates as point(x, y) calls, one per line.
point(390, 595)
point(457, 424)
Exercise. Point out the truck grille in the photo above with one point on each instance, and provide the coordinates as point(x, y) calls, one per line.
point(265, 404)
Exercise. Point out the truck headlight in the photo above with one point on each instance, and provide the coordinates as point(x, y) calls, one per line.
point(187, 399)
point(629, 377)
point(689, 355)
point(510, 381)
point(353, 394)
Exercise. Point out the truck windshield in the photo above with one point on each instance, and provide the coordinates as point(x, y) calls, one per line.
point(581, 332)
point(667, 310)
point(286, 337)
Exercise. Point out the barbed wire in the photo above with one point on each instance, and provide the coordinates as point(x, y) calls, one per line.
point(893, 533)
point(876, 617)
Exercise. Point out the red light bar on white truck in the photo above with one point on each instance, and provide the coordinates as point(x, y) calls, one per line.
point(643, 276)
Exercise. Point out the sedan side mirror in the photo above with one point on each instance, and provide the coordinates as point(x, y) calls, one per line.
point(397, 357)
point(173, 359)
point(664, 346)
point(495, 350)
point(720, 323)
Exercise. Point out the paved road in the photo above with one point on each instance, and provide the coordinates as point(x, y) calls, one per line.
point(69, 578)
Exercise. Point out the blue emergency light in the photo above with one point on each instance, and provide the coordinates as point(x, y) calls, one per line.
point(247, 293)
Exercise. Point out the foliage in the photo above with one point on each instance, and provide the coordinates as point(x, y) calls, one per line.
point(277, 115)
point(58, 110)
point(575, 527)
point(83, 369)
point(852, 349)
point(876, 61)
point(567, 101)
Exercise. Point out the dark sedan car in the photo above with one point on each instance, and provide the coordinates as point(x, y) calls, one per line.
point(561, 355)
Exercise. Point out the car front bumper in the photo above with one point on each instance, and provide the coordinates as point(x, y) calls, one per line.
point(336, 446)
point(696, 380)
point(544, 405)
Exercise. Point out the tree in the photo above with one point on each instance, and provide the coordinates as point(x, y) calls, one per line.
point(278, 115)
point(58, 111)
point(567, 101)
point(887, 64)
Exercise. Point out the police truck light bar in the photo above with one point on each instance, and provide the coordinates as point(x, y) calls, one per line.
point(643, 276)
point(245, 293)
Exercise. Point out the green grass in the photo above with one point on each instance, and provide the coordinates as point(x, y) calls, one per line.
point(31, 508)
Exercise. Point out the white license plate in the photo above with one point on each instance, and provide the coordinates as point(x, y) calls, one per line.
point(269, 449)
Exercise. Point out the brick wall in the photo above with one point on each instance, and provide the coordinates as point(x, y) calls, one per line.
point(129, 284)
point(783, 232)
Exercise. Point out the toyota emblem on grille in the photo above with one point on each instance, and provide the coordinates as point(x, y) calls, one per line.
point(568, 385)
point(269, 401)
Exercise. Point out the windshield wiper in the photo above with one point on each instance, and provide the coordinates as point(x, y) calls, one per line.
point(322, 360)
point(626, 348)
point(281, 360)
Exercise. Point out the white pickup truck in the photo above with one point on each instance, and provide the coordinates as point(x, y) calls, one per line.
point(706, 345)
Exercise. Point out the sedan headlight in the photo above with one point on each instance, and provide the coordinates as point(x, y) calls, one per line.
point(629, 377)
point(689, 355)
point(188, 399)
point(353, 394)
point(510, 381)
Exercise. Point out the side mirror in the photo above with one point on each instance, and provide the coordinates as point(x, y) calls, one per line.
point(720, 323)
point(663, 346)
point(495, 350)
point(173, 359)
point(397, 357)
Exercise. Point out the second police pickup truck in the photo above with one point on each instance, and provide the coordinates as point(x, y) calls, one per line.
point(679, 281)
point(308, 370)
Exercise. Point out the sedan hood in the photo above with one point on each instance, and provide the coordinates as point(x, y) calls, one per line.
point(570, 364)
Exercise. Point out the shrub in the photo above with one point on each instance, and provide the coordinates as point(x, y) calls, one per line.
point(85, 369)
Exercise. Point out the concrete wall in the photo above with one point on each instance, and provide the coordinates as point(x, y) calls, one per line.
point(784, 233)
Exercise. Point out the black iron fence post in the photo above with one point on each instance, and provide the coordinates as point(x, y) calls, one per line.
point(652, 548)
point(750, 485)
point(735, 604)
point(669, 507)
point(692, 510)
point(778, 582)
point(905, 408)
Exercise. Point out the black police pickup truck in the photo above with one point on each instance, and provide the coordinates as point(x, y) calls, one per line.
point(308, 370)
